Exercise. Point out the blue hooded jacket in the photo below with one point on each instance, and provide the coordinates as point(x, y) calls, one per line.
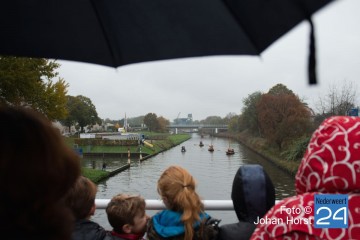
point(168, 223)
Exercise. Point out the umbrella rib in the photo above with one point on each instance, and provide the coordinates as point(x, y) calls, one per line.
point(312, 51)
point(312, 58)
point(115, 61)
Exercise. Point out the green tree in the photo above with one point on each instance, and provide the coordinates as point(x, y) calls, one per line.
point(81, 111)
point(136, 121)
point(228, 118)
point(69, 120)
point(28, 82)
point(249, 117)
point(280, 89)
point(212, 120)
point(234, 123)
point(150, 120)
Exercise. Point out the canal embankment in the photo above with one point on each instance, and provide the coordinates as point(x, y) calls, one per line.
point(155, 144)
point(261, 147)
point(214, 169)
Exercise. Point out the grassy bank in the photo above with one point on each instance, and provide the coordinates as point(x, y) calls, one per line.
point(260, 146)
point(94, 174)
point(167, 141)
point(164, 142)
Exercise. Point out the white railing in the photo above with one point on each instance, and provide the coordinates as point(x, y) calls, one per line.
point(159, 205)
point(152, 204)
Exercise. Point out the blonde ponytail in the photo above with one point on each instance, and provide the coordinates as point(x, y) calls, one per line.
point(178, 187)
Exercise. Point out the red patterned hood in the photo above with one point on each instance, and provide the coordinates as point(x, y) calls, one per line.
point(331, 163)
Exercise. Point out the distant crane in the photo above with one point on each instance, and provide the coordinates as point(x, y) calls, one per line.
point(176, 120)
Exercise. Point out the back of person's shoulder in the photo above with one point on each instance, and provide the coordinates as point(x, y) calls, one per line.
point(210, 229)
point(89, 230)
point(108, 236)
point(236, 231)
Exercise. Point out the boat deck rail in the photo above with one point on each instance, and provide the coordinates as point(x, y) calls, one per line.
point(153, 204)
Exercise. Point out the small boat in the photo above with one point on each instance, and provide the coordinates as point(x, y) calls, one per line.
point(211, 148)
point(230, 151)
point(201, 144)
point(183, 149)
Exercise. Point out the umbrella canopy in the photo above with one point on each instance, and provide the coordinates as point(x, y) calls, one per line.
point(120, 32)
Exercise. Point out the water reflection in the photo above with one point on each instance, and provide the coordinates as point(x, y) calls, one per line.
point(97, 162)
point(283, 182)
point(214, 172)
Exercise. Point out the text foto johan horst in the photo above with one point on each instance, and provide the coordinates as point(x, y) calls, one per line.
point(289, 220)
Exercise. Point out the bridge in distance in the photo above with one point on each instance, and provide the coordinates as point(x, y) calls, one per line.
point(191, 127)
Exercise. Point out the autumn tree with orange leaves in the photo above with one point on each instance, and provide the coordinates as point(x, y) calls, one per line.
point(162, 124)
point(282, 116)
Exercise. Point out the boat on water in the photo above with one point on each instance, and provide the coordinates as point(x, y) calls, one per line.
point(230, 151)
point(211, 148)
point(183, 149)
point(201, 144)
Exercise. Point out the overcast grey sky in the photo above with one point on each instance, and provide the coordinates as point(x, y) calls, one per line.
point(216, 86)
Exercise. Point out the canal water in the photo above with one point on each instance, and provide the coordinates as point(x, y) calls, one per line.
point(214, 173)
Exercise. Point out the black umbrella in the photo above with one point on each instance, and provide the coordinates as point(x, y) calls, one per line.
point(120, 32)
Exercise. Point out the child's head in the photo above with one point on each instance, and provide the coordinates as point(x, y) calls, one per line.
point(126, 214)
point(81, 198)
point(176, 187)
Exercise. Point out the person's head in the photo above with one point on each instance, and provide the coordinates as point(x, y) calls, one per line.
point(36, 171)
point(126, 214)
point(253, 193)
point(331, 161)
point(176, 187)
point(81, 198)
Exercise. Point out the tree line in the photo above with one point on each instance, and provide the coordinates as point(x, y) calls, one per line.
point(279, 115)
point(285, 121)
point(35, 83)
